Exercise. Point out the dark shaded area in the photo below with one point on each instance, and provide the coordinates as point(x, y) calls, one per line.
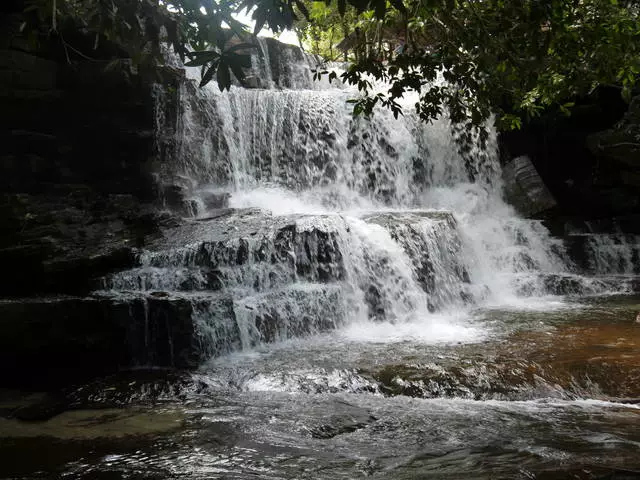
point(587, 180)
point(50, 342)
point(77, 148)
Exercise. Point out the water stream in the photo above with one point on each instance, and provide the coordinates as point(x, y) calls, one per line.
point(366, 304)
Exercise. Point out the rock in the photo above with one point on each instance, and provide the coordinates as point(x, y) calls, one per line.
point(47, 407)
point(525, 189)
point(252, 81)
point(50, 342)
point(20, 72)
point(622, 142)
point(603, 254)
point(215, 201)
point(340, 423)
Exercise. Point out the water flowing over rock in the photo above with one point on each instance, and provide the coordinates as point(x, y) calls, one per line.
point(304, 218)
point(444, 335)
point(296, 219)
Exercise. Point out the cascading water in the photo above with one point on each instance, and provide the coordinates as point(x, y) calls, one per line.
point(337, 220)
point(359, 302)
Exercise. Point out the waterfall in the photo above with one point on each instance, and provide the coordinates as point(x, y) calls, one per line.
point(335, 219)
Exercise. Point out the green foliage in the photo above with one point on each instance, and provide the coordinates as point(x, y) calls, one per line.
point(474, 58)
point(202, 31)
point(512, 59)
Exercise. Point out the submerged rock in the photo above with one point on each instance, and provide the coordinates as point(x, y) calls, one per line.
point(95, 424)
point(594, 357)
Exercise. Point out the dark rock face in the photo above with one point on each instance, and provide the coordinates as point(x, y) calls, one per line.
point(45, 341)
point(77, 148)
point(621, 142)
point(524, 188)
point(587, 161)
point(618, 151)
point(283, 59)
point(54, 340)
point(75, 171)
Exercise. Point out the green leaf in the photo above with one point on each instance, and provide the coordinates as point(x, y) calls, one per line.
point(238, 73)
point(206, 78)
point(224, 77)
point(260, 17)
point(239, 60)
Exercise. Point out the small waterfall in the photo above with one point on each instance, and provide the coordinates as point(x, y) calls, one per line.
point(614, 254)
point(335, 219)
point(607, 253)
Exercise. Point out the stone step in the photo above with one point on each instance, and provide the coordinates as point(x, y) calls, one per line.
point(163, 279)
point(605, 253)
point(538, 284)
point(58, 340)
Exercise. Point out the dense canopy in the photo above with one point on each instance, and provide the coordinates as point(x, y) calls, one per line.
point(511, 59)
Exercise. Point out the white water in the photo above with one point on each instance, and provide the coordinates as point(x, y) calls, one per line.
point(388, 230)
point(613, 254)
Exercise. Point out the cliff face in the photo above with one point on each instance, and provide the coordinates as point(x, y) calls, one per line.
point(588, 161)
point(618, 152)
point(77, 196)
point(76, 155)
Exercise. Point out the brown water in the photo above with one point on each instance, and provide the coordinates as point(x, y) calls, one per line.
point(547, 393)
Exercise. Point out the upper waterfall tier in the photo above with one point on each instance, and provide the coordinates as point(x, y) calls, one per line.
point(300, 135)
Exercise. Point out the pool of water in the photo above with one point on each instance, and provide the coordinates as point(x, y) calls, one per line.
point(550, 391)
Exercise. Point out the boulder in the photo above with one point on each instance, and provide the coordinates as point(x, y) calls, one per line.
point(525, 189)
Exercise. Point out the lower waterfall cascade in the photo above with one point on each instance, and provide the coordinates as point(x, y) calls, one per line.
point(304, 219)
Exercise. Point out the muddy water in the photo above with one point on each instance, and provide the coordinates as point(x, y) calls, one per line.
point(550, 393)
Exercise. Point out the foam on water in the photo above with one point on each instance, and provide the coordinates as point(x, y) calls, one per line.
point(408, 231)
point(443, 328)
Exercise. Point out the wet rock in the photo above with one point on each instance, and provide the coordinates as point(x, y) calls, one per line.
point(431, 241)
point(54, 341)
point(593, 356)
point(604, 254)
point(341, 424)
point(175, 197)
point(374, 303)
point(525, 189)
point(252, 81)
point(573, 285)
point(47, 407)
point(292, 312)
point(95, 424)
point(215, 201)
point(45, 342)
point(621, 143)
point(138, 387)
